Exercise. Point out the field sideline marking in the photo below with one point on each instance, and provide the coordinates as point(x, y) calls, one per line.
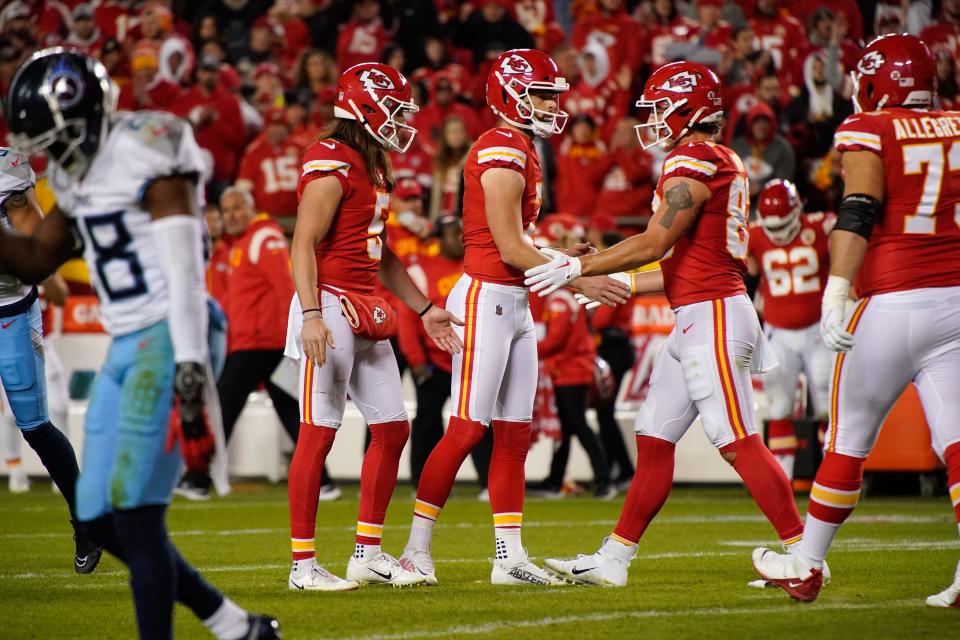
point(490, 627)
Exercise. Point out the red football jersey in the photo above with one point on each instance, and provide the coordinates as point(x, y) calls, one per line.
point(567, 348)
point(792, 275)
point(349, 257)
point(273, 171)
point(709, 260)
point(499, 148)
point(916, 242)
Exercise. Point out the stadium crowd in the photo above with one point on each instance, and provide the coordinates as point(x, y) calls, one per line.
point(256, 79)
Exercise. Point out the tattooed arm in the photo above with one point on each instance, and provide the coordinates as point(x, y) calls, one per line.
point(682, 199)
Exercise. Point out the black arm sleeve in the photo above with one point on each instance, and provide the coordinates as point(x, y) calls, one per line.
point(858, 212)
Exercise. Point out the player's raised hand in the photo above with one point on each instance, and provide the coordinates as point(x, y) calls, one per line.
point(438, 324)
point(550, 276)
point(188, 421)
point(315, 336)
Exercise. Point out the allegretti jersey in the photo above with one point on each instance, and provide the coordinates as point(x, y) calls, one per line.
point(498, 148)
point(709, 260)
point(106, 205)
point(349, 256)
point(15, 176)
point(793, 274)
point(916, 242)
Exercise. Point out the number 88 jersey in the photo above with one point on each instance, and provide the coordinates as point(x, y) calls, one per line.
point(709, 260)
point(793, 274)
point(106, 207)
point(916, 242)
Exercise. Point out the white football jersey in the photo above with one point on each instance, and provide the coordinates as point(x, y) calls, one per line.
point(15, 175)
point(119, 246)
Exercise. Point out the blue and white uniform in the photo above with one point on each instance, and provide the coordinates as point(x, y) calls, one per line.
point(125, 464)
point(21, 330)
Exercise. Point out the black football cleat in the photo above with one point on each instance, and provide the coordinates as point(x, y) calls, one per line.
point(263, 627)
point(87, 554)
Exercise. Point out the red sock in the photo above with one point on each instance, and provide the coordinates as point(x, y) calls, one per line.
point(442, 465)
point(649, 489)
point(506, 482)
point(952, 457)
point(836, 489)
point(781, 437)
point(303, 486)
point(378, 477)
point(768, 484)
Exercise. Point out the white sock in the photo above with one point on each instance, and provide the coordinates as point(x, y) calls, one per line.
point(786, 463)
point(817, 538)
point(228, 622)
point(366, 551)
point(421, 534)
point(508, 544)
point(618, 550)
point(301, 567)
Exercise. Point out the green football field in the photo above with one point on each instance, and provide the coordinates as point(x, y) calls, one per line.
point(688, 581)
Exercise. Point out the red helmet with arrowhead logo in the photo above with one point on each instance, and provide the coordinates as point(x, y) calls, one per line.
point(679, 95)
point(895, 70)
point(377, 96)
point(779, 208)
point(513, 75)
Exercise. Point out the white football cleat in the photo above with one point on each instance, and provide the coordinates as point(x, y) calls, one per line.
point(602, 569)
point(18, 481)
point(781, 570)
point(420, 562)
point(382, 569)
point(316, 578)
point(329, 493)
point(763, 584)
point(521, 571)
point(949, 597)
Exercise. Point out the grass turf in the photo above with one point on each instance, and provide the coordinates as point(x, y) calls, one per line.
point(688, 581)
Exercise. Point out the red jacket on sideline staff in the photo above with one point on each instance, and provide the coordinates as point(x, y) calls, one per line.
point(259, 283)
point(567, 347)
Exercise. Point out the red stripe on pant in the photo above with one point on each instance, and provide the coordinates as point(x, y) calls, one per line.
point(440, 469)
point(839, 472)
point(378, 475)
point(952, 458)
point(303, 487)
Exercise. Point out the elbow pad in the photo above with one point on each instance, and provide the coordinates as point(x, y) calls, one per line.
point(858, 213)
point(180, 247)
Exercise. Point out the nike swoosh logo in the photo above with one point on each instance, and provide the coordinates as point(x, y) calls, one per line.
point(385, 576)
point(329, 145)
point(688, 328)
point(505, 134)
point(298, 586)
point(577, 572)
point(794, 585)
point(15, 163)
point(7, 324)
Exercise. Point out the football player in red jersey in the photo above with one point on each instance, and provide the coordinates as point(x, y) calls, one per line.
point(699, 234)
point(898, 236)
point(789, 252)
point(338, 252)
point(494, 378)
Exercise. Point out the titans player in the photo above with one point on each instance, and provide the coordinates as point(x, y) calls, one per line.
point(128, 182)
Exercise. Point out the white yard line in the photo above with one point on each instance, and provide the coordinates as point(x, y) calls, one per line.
point(491, 627)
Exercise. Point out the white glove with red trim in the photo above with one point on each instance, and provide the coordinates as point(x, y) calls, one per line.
point(833, 311)
point(550, 276)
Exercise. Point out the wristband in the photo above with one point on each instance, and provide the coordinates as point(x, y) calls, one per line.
point(428, 307)
point(306, 311)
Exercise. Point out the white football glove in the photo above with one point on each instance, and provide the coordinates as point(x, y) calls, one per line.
point(559, 272)
point(833, 311)
point(591, 303)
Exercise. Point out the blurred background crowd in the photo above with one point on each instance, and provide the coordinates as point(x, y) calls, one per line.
point(257, 78)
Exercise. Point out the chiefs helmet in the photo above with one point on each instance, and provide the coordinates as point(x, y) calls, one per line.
point(60, 103)
point(513, 75)
point(560, 230)
point(895, 70)
point(679, 95)
point(779, 208)
point(377, 96)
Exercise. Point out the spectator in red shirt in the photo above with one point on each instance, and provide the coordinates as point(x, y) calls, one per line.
point(296, 35)
point(218, 266)
point(316, 71)
point(147, 89)
point(948, 92)
point(540, 21)
point(627, 187)
point(443, 104)
point(84, 34)
point(613, 28)
point(217, 122)
point(945, 33)
point(568, 352)
point(438, 266)
point(271, 167)
point(363, 38)
point(779, 33)
point(667, 27)
point(113, 19)
point(267, 87)
point(582, 162)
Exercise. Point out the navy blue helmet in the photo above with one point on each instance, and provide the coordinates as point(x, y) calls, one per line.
point(60, 102)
